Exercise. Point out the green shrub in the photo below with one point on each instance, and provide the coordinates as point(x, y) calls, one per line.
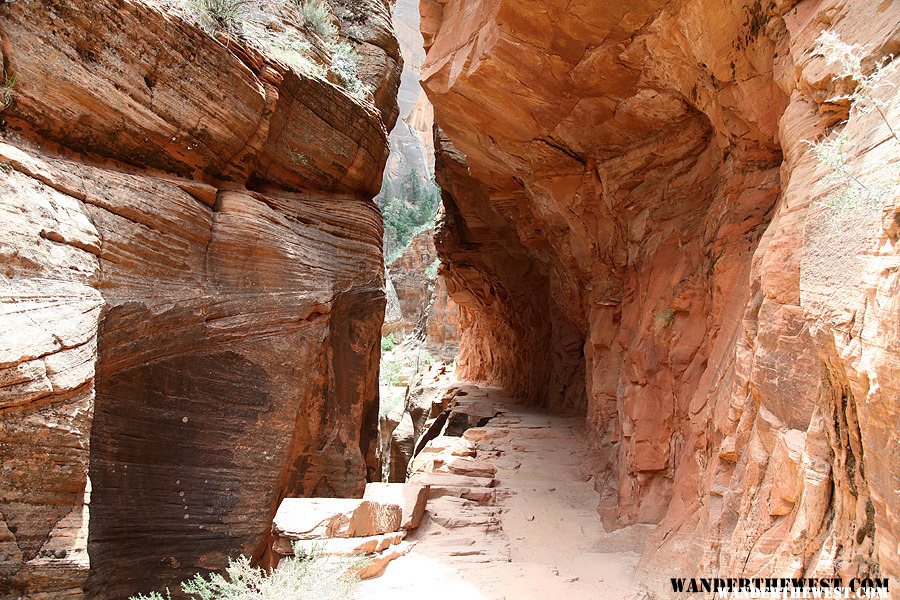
point(345, 64)
point(317, 17)
point(304, 576)
point(283, 46)
point(388, 343)
point(432, 270)
point(223, 15)
point(391, 400)
point(390, 372)
point(152, 596)
point(663, 318)
point(6, 91)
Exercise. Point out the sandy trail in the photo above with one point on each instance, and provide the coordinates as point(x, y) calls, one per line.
point(512, 515)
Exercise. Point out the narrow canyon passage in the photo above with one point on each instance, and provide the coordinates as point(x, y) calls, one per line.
point(667, 230)
point(511, 512)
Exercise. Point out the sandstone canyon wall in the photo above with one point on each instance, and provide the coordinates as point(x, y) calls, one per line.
point(192, 288)
point(636, 229)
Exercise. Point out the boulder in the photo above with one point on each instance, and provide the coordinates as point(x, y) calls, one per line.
point(411, 497)
point(320, 518)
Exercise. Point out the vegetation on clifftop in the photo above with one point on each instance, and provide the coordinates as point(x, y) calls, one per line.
point(286, 30)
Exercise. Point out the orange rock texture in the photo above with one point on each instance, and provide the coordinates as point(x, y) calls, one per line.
point(637, 229)
point(192, 290)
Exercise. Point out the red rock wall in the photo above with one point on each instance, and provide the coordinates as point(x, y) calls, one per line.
point(190, 315)
point(636, 228)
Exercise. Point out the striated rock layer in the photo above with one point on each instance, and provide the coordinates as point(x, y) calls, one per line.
point(192, 292)
point(636, 229)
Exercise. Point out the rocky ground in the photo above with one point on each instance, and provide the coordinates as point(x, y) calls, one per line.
point(510, 512)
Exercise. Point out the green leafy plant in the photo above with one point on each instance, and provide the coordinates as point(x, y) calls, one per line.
point(7, 89)
point(284, 46)
point(390, 372)
point(834, 151)
point(388, 343)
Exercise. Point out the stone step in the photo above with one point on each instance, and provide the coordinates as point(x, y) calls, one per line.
point(319, 518)
point(378, 562)
point(478, 489)
point(464, 466)
point(451, 480)
point(354, 546)
point(454, 446)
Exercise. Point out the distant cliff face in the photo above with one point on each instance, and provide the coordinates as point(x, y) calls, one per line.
point(192, 287)
point(412, 148)
point(637, 229)
point(424, 307)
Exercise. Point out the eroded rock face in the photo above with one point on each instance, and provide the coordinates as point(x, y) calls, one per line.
point(190, 316)
point(636, 229)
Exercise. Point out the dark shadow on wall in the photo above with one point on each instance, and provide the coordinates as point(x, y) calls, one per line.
point(356, 317)
point(165, 469)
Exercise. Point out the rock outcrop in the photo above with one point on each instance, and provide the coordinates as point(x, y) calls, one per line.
point(636, 229)
point(425, 401)
point(371, 529)
point(193, 289)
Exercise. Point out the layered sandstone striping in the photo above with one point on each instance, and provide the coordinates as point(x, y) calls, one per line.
point(193, 291)
point(637, 229)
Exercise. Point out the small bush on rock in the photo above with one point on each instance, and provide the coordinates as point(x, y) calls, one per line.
point(663, 318)
point(345, 64)
point(851, 190)
point(223, 15)
point(7, 89)
point(388, 343)
point(432, 270)
point(390, 372)
point(317, 17)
